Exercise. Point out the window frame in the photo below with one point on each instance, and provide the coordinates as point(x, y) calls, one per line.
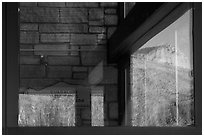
point(10, 81)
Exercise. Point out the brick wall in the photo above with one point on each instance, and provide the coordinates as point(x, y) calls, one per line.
point(76, 36)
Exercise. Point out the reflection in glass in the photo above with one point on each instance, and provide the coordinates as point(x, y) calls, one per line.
point(97, 110)
point(161, 84)
point(46, 110)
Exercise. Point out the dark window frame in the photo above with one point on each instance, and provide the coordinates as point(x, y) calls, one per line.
point(10, 83)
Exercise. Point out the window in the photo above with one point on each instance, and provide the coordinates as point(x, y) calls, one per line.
point(161, 78)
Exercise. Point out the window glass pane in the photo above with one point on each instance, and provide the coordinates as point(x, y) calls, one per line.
point(97, 107)
point(46, 110)
point(161, 78)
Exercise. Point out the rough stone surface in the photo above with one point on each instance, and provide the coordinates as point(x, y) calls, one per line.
point(29, 27)
point(59, 72)
point(51, 4)
point(79, 28)
point(29, 59)
point(32, 71)
point(110, 11)
point(83, 39)
point(36, 14)
point(28, 4)
point(63, 60)
point(52, 49)
point(96, 14)
point(97, 30)
point(109, 4)
point(73, 15)
point(81, 4)
point(55, 38)
point(111, 19)
point(80, 75)
point(29, 37)
point(79, 69)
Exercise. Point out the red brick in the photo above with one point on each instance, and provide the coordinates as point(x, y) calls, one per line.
point(113, 110)
point(111, 19)
point(97, 29)
point(28, 4)
point(55, 38)
point(80, 75)
point(111, 30)
point(56, 49)
point(32, 71)
point(63, 60)
point(59, 72)
point(79, 28)
point(83, 39)
point(28, 27)
point(109, 4)
point(37, 14)
point(29, 59)
point(29, 37)
point(96, 14)
point(81, 4)
point(51, 4)
point(73, 15)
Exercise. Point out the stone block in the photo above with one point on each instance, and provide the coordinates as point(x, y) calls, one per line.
point(113, 110)
point(83, 39)
point(79, 69)
point(80, 75)
point(109, 4)
point(97, 29)
point(56, 49)
point(110, 11)
point(96, 14)
point(82, 4)
point(96, 23)
point(111, 30)
point(26, 47)
point(78, 28)
point(74, 51)
point(29, 59)
point(59, 72)
point(111, 19)
point(73, 15)
point(37, 84)
point(51, 4)
point(111, 93)
point(55, 38)
point(28, 27)
point(93, 58)
point(32, 71)
point(63, 60)
point(29, 37)
point(28, 4)
point(39, 14)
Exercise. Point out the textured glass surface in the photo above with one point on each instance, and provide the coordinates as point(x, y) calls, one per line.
point(97, 110)
point(161, 80)
point(46, 110)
